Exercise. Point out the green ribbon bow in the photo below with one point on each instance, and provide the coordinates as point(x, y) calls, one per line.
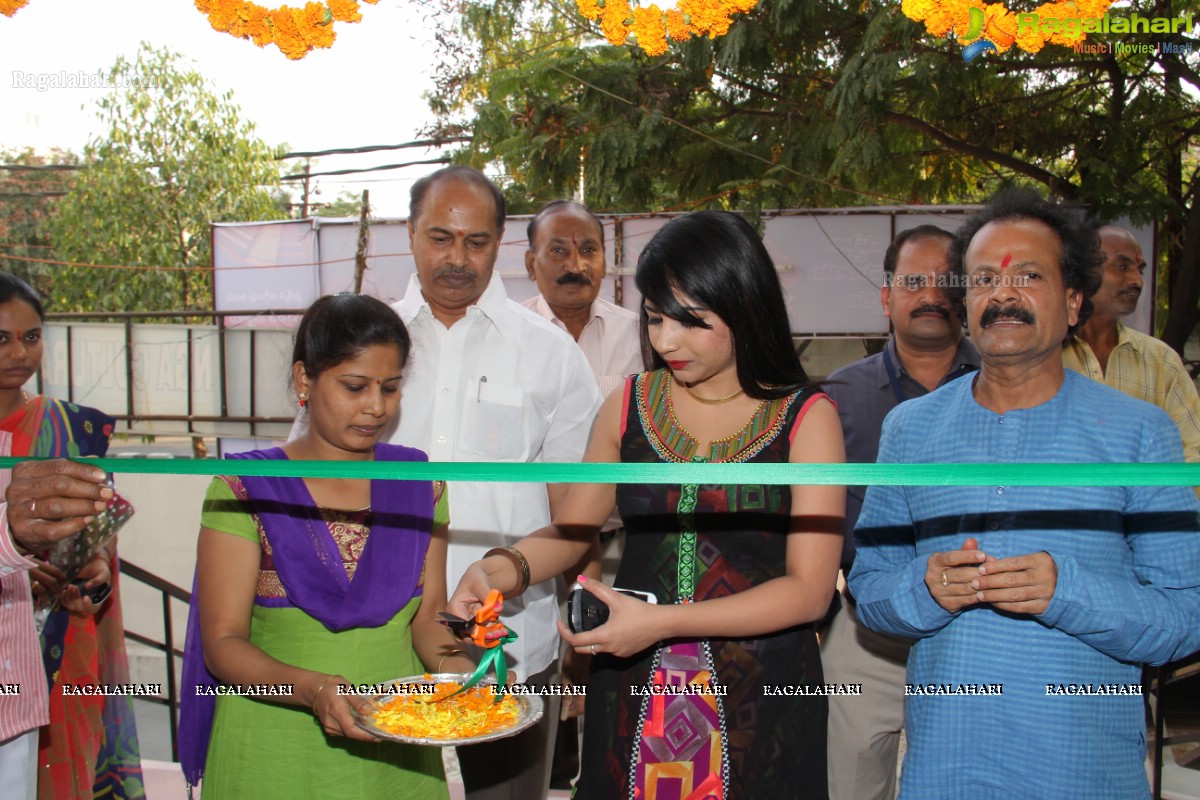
point(492, 655)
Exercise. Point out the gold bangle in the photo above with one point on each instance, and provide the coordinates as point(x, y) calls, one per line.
point(317, 696)
point(442, 660)
point(519, 561)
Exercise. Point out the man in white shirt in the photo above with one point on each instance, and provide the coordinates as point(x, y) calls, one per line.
point(490, 381)
point(566, 259)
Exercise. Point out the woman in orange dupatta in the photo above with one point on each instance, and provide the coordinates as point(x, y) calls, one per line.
point(90, 748)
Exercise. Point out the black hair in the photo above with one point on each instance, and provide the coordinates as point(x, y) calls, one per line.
point(550, 208)
point(717, 259)
point(912, 234)
point(13, 288)
point(457, 172)
point(338, 327)
point(1081, 263)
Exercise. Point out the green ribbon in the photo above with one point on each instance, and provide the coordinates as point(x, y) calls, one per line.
point(1033, 474)
point(492, 655)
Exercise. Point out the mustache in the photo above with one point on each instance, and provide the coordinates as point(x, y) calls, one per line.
point(1019, 313)
point(440, 271)
point(573, 277)
point(931, 308)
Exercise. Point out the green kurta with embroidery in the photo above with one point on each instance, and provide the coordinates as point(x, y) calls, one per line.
point(262, 749)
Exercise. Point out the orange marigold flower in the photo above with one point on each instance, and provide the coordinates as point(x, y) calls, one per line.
point(614, 24)
point(203, 6)
point(287, 34)
point(1000, 26)
point(719, 27)
point(223, 16)
point(242, 23)
point(345, 10)
point(677, 27)
point(699, 16)
point(939, 23)
point(960, 16)
point(316, 24)
point(1092, 9)
point(918, 10)
point(650, 30)
point(257, 26)
point(590, 9)
point(9, 7)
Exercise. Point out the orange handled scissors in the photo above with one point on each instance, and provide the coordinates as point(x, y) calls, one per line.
point(486, 621)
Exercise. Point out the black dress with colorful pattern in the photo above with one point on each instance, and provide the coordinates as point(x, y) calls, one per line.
point(688, 720)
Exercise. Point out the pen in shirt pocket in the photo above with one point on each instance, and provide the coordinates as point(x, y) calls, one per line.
point(479, 390)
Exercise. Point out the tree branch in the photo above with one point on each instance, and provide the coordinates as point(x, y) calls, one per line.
point(1058, 185)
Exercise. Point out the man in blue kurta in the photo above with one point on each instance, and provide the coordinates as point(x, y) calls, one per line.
point(1034, 607)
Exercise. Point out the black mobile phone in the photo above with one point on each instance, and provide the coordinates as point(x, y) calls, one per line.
point(585, 611)
point(97, 594)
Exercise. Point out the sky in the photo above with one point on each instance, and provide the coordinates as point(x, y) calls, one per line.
point(365, 90)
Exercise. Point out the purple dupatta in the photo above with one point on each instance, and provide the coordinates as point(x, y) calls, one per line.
point(310, 568)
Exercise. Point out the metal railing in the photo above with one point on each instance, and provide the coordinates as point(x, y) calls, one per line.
point(217, 318)
point(168, 592)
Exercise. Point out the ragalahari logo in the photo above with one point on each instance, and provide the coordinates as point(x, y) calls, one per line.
point(975, 30)
point(983, 28)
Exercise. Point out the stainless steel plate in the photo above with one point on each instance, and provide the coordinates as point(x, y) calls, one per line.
point(529, 711)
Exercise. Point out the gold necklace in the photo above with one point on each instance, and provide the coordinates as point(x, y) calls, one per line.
point(705, 400)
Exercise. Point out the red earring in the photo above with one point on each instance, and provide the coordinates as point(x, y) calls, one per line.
point(303, 399)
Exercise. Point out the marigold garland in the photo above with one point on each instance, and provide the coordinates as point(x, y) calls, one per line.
point(295, 31)
point(10, 7)
point(1000, 24)
point(652, 27)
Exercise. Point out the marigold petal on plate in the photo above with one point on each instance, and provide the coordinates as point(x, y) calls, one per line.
point(475, 712)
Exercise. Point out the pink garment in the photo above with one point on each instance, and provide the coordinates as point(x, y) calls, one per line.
point(611, 340)
point(24, 701)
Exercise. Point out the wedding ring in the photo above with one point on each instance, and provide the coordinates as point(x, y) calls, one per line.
point(944, 581)
point(33, 508)
point(593, 649)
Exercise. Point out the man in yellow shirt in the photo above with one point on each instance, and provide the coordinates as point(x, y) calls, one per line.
point(1136, 364)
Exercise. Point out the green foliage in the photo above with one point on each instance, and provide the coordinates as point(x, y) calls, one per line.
point(27, 200)
point(808, 104)
point(347, 204)
point(175, 156)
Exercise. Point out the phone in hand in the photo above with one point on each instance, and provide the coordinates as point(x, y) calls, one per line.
point(585, 611)
point(97, 594)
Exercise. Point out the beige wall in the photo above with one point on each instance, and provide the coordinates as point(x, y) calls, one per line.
point(161, 538)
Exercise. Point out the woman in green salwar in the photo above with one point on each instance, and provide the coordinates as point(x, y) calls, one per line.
point(307, 587)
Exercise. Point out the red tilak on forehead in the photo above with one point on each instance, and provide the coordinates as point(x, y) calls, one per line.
point(1007, 260)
